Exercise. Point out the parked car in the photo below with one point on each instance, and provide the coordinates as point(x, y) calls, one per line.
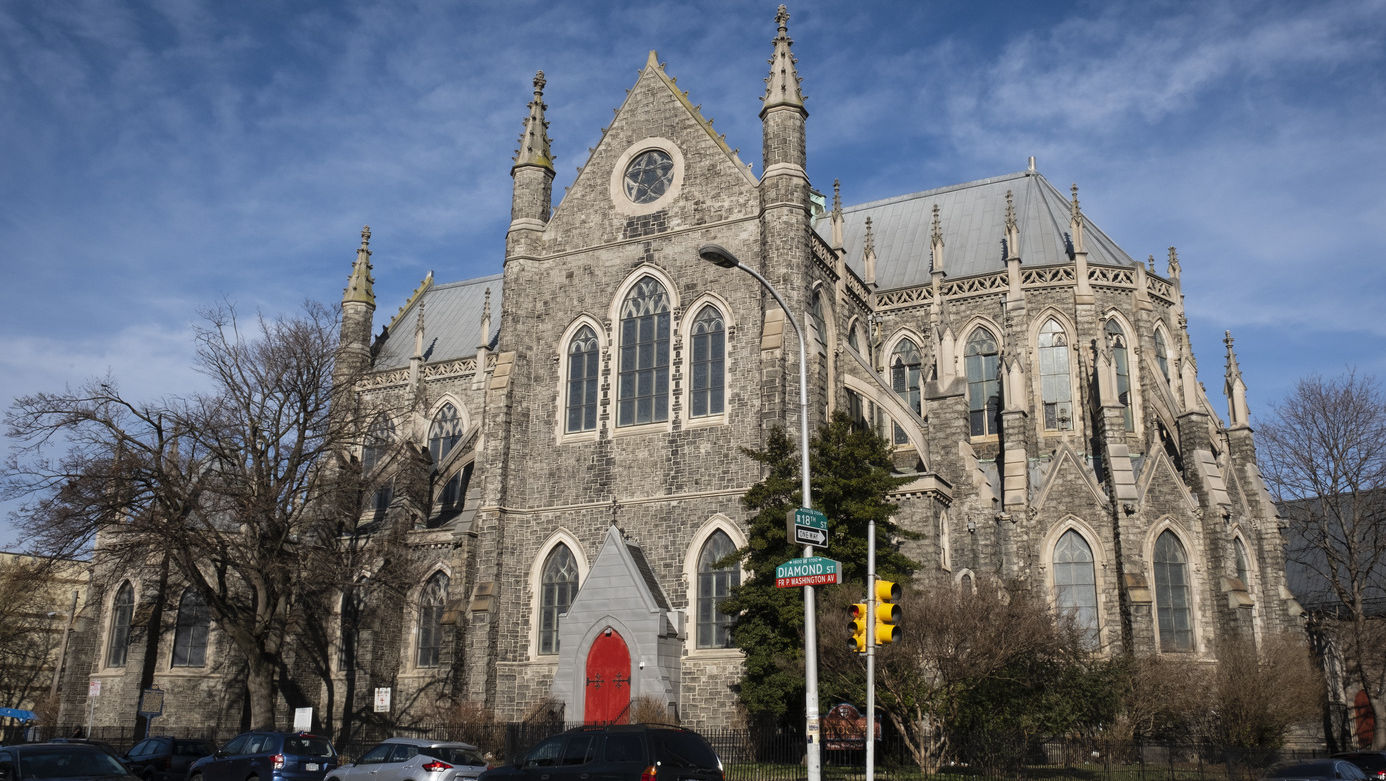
point(268, 756)
point(165, 758)
point(1373, 763)
point(106, 747)
point(414, 759)
point(628, 752)
point(75, 761)
point(1315, 770)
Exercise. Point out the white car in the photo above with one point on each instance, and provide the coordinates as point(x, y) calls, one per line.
point(414, 759)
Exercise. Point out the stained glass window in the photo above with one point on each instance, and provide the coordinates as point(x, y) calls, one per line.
point(708, 364)
point(1075, 583)
point(190, 631)
point(432, 602)
point(649, 175)
point(445, 433)
point(1056, 390)
point(1172, 598)
point(584, 359)
point(643, 381)
point(714, 586)
point(122, 613)
point(981, 362)
point(558, 586)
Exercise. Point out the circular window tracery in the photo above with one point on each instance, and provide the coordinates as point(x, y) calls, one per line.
point(649, 176)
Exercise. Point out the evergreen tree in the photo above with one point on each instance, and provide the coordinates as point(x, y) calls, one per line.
point(851, 477)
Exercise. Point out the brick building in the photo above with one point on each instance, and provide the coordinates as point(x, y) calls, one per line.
point(559, 444)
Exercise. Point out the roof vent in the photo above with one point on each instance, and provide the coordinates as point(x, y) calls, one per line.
point(1032, 162)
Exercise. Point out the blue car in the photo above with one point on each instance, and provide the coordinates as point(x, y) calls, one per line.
point(265, 755)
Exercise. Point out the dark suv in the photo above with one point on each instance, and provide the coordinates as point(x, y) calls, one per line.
point(164, 758)
point(268, 756)
point(634, 752)
point(71, 761)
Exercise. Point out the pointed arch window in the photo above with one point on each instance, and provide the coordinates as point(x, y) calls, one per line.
point(558, 585)
point(820, 333)
point(981, 363)
point(1075, 583)
point(1241, 561)
point(432, 601)
point(1172, 598)
point(709, 363)
point(715, 584)
point(445, 433)
point(905, 364)
point(1161, 353)
point(643, 382)
point(122, 613)
point(1116, 339)
point(584, 360)
point(379, 437)
point(190, 631)
point(1056, 388)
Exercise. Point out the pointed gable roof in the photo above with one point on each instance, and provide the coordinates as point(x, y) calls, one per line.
point(973, 218)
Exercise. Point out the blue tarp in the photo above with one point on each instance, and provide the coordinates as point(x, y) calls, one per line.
point(15, 713)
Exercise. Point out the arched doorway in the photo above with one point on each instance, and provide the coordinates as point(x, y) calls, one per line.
point(607, 697)
point(1366, 720)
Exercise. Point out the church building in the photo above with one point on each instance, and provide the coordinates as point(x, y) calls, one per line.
point(559, 445)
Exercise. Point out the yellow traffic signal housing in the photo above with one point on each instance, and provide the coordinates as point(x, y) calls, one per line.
point(859, 628)
point(887, 613)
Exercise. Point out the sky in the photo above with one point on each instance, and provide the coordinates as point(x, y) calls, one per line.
point(161, 157)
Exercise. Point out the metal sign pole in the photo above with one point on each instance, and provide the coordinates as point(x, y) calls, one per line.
point(871, 651)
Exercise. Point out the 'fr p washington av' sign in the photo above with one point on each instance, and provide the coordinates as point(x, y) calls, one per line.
point(816, 571)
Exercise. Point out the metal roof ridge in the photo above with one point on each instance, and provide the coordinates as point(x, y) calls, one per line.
point(941, 190)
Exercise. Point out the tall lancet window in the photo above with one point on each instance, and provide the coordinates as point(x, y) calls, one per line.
point(643, 382)
point(1116, 339)
point(432, 601)
point(378, 440)
point(981, 362)
point(1161, 353)
point(715, 584)
point(445, 433)
point(1056, 389)
point(190, 631)
point(1243, 568)
point(1075, 583)
point(122, 614)
point(584, 359)
point(557, 587)
point(709, 363)
point(905, 363)
point(1172, 599)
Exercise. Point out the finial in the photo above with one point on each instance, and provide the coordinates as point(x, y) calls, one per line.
point(837, 196)
point(1010, 211)
point(1012, 229)
point(366, 238)
point(869, 245)
point(1234, 385)
point(936, 240)
point(937, 233)
point(1150, 264)
point(868, 254)
point(534, 140)
point(1173, 263)
point(1076, 224)
point(782, 86)
point(360, 285)
point(1076, 210)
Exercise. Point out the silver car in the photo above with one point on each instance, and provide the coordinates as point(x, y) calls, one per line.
point(414, 759)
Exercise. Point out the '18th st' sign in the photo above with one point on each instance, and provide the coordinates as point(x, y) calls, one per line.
point(815, 571)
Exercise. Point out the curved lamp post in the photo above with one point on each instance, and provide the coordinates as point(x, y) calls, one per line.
point(721, 256)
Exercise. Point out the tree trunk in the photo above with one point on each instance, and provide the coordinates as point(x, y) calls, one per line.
point(259, 680)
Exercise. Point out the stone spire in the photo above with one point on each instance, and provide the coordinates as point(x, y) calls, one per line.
point(868, 254)
point(936, 242)
point(1083, 288)
point(1012, 228)
point(360, 285)
point(486, 320)
point(534, 141)
point(1173, 264)
point(1075, 223)
point(782, 86)
point(837, 220)
point(1234, 386)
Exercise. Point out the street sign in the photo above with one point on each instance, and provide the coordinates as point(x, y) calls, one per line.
point(152, 702)
point(815, 571)
point(807, 527)
point(382, 699)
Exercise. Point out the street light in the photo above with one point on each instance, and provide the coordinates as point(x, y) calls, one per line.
point(721, 256)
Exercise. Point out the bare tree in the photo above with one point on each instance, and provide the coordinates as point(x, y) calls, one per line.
point(1325, 458)
point(28, 632)
point(239, 487)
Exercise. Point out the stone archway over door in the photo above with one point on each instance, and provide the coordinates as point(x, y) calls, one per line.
point(607, 697)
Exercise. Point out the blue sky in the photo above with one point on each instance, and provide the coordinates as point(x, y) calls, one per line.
point(158, 157)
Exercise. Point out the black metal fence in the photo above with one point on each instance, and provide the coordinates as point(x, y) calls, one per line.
point(749, 755)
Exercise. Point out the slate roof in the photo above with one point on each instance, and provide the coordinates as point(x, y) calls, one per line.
point(973, 218)
point(452, 323)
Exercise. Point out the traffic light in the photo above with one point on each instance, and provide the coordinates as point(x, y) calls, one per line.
point(887, 613)
point(859, 618)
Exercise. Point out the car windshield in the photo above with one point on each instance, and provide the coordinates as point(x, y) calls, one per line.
point(308, 746)
point(683, 749)
point(454, 755)
point(67, 763)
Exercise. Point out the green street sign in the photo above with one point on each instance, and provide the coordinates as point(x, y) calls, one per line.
point(806, 527)
point(813, 571)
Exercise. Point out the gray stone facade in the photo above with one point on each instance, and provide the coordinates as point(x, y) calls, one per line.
point(635, 503)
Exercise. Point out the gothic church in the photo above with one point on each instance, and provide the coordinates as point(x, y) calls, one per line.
point(560, 443)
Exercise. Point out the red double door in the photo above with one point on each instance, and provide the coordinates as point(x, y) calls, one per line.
point(608, 680)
